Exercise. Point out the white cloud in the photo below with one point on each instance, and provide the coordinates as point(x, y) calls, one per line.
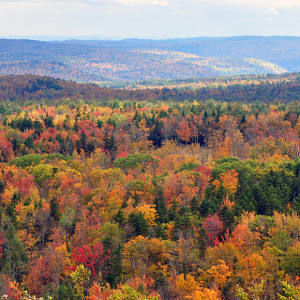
point(271, 11)
point(264, 3)
point(100, 2)
point(253, 3)
point(143, 2)
point(149, 18)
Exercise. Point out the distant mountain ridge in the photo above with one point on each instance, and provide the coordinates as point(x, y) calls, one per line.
point(136, 59)
point(281, 50)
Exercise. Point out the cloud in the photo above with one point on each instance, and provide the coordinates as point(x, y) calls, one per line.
point(271, 11)
point(137, 3)
point(282, 3)
point(253, 3)
point(149, 18)
point(99, 2)
point(142, 2)
point(191, 3)
point(269, 3)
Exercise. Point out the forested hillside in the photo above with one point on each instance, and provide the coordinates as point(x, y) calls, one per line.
point(280, 50)
point(264, 88)
point(149, 200)
point(132, 60)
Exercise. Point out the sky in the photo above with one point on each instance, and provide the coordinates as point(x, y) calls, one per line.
point(159, 19)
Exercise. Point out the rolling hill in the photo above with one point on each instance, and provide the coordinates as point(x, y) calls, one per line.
point(280, 50)
point(134, 60)
point(264, 88)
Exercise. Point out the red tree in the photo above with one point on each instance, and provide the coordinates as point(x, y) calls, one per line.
point(92, 257)
point(213, 227)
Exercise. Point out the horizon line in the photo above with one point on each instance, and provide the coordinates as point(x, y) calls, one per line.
point(54, 38)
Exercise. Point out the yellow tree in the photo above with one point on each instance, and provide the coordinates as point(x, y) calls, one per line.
point(185, 286)
point(218, 274)
point(203, 293)
point(230, 181)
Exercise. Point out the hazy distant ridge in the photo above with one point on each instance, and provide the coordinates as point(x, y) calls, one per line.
point(134, 59)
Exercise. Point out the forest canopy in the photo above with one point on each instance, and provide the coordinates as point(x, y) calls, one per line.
point(123, 199)
point(262, 88)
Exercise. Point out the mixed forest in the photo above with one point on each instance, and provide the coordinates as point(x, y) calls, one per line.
point(158, 199)
point(262, 88)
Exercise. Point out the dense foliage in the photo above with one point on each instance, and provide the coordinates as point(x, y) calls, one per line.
point(156, 201)
point(265, 88)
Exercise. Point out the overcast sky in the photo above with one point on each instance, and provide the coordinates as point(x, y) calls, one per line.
point(148, 18)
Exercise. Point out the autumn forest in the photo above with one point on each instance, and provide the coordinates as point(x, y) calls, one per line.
point(151, 193)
